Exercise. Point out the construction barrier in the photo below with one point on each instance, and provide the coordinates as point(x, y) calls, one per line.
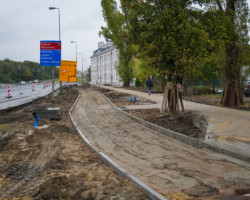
point(9, 89)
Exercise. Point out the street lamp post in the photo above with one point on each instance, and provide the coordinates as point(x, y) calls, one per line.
point(20, 73)
point(76, 58)
point(53, 8)
point(76, 48)
point(38, 75)
point(82, 66)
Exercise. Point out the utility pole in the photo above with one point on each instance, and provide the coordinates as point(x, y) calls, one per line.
point(20, 73)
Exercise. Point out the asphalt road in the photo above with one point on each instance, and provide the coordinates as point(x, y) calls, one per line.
point(22, 93)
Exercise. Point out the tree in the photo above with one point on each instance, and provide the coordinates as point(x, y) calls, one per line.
point(117, 30)
point(88, 76)
point(234, 16)
point(9, 71)
point(169, 35)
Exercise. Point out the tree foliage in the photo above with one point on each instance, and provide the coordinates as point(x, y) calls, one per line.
point(143, 70)
point(10, 71)
point(171, 38)
point(230, 26)
point(88, 76)
point(168, 33)
point(117, 30)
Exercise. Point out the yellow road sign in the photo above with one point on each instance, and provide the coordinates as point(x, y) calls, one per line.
point(67, 71)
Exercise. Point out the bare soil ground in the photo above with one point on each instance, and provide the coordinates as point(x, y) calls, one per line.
point(188, 123)
point(122, 99)
point(53, 162)
point(215, 101)
point(175, 170)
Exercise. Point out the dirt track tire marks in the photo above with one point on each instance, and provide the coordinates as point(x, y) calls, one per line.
point(166, 165)
point(27, 170)
point(53, 162)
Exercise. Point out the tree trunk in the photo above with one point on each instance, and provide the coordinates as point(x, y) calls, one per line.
point(172, 97)
point(232, 95)
point(127, 84)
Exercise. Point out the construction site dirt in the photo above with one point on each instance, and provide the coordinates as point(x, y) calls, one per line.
point(188, 123)
point(173, 169)
point(52, 161)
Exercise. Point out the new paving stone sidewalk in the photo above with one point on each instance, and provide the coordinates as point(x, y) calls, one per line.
point(228, 128)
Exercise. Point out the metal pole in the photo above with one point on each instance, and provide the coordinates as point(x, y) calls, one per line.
point(76, 59)
point(59, 24)
point(53, 77)
point(53, 80)
point(38, 75)
point(20, 73)
point(60, 40)
point(82, 70)
point(76, 63)
point(82, 66)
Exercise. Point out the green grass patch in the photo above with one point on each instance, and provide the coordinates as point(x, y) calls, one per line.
point(3, 127)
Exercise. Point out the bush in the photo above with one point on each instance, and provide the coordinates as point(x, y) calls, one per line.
point(199, 90)
point(137, 83)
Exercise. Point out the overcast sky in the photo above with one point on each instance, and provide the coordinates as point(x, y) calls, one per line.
point(23, 23)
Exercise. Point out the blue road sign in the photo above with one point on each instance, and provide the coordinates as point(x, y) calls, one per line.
point(50, 53)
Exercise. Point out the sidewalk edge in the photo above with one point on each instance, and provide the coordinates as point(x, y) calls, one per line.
point(139, 184)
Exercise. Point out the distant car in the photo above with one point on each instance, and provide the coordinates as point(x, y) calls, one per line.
point(246, 91)
point(22, 83)
point(218, 91)
point(35, 81)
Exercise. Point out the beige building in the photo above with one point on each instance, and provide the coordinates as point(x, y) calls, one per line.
point(103, 62)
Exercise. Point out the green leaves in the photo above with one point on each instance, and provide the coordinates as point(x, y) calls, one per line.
point(117, 30)
point(10, 72)
point(169, 34)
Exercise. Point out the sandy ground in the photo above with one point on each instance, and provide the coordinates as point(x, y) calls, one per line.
point(188, 123)
point(170, 167)
point(53, 162)
point(229, 128)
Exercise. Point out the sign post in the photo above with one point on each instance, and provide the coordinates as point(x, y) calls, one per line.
point(50, 55)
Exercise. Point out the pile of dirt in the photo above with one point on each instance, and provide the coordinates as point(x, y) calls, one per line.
point(52, 161)
point(187, 123)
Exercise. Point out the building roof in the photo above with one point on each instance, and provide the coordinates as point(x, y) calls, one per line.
point(104, 49)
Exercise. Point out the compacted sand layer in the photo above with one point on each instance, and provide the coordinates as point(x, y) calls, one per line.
point(174, 169)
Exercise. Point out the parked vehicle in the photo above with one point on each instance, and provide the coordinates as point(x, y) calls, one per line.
point(246, 91)
point(35, 81)
point(22, 83)
point(218, 91)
